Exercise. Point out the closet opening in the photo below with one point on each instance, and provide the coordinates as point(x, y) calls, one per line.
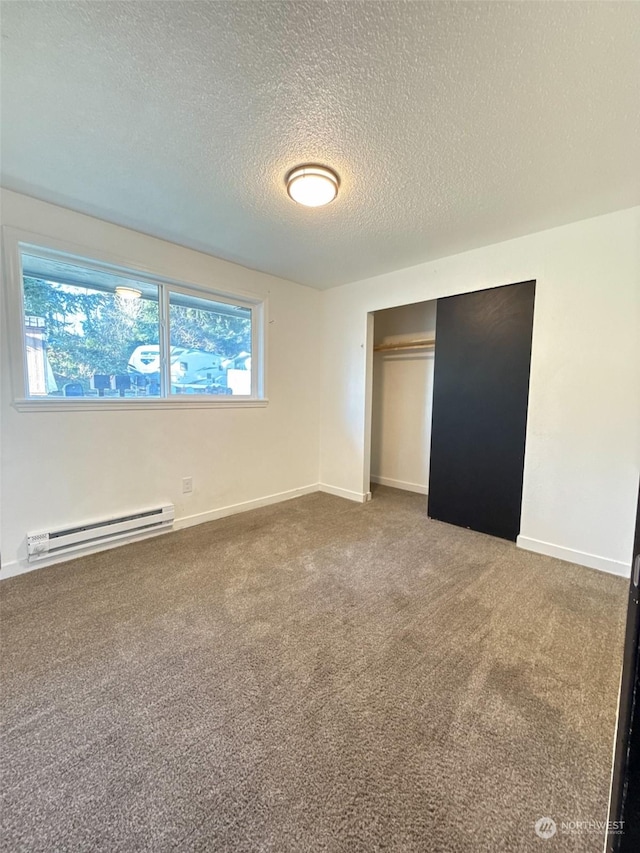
point(402, 395)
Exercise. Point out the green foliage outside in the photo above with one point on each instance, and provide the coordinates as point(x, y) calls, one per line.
point(90, 332)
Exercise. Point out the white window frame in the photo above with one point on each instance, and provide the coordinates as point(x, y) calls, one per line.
point(16, 241)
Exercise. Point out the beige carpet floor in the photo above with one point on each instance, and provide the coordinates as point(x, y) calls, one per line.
point(312, 676)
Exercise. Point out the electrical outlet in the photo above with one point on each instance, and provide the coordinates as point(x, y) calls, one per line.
point(187, 485)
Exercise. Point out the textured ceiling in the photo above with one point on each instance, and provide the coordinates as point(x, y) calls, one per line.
point(452, 125)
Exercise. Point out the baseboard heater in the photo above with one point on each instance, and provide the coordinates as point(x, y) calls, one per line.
point(54, 543)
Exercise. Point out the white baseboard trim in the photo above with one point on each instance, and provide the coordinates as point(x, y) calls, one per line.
point(591, 561)
point(401, 484)
point(358, 497)
point(603, 564)
point(233, 509)
point(20, 567)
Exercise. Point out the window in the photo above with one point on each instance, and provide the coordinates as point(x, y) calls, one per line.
point(94, 332)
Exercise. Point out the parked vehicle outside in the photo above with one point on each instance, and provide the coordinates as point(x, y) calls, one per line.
point(193, 371)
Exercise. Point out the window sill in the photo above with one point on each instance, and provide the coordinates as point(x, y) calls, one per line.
point(131, 404)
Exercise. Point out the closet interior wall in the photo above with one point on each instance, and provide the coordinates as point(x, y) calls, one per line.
point(402, 396)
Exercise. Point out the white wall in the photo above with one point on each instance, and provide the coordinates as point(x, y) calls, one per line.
point(583, 440)
point(402, 398)
point(581, 465)
point(62, 467)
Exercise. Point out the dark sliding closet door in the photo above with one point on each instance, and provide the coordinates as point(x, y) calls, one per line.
point(480, 398)
point(624, 807)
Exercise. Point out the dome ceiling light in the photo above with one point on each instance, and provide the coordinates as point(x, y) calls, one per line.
point(311, 185)
point(128, 292)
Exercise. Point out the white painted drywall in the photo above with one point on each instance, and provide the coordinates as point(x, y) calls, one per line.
point(63, 467)
point(581, 465)
point(583, 440)
point(402, 398)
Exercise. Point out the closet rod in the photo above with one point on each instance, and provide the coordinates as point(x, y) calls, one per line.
point(424, 344)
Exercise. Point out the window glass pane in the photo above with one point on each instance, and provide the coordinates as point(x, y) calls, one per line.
point(210, 346)
point(88, 333)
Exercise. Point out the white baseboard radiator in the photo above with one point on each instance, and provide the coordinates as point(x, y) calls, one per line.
point(57, 543)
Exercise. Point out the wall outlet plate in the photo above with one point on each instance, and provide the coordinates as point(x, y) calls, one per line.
point(187, 485)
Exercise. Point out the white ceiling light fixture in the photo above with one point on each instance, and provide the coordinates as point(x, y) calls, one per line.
point(312, 186)
point(128, 292)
